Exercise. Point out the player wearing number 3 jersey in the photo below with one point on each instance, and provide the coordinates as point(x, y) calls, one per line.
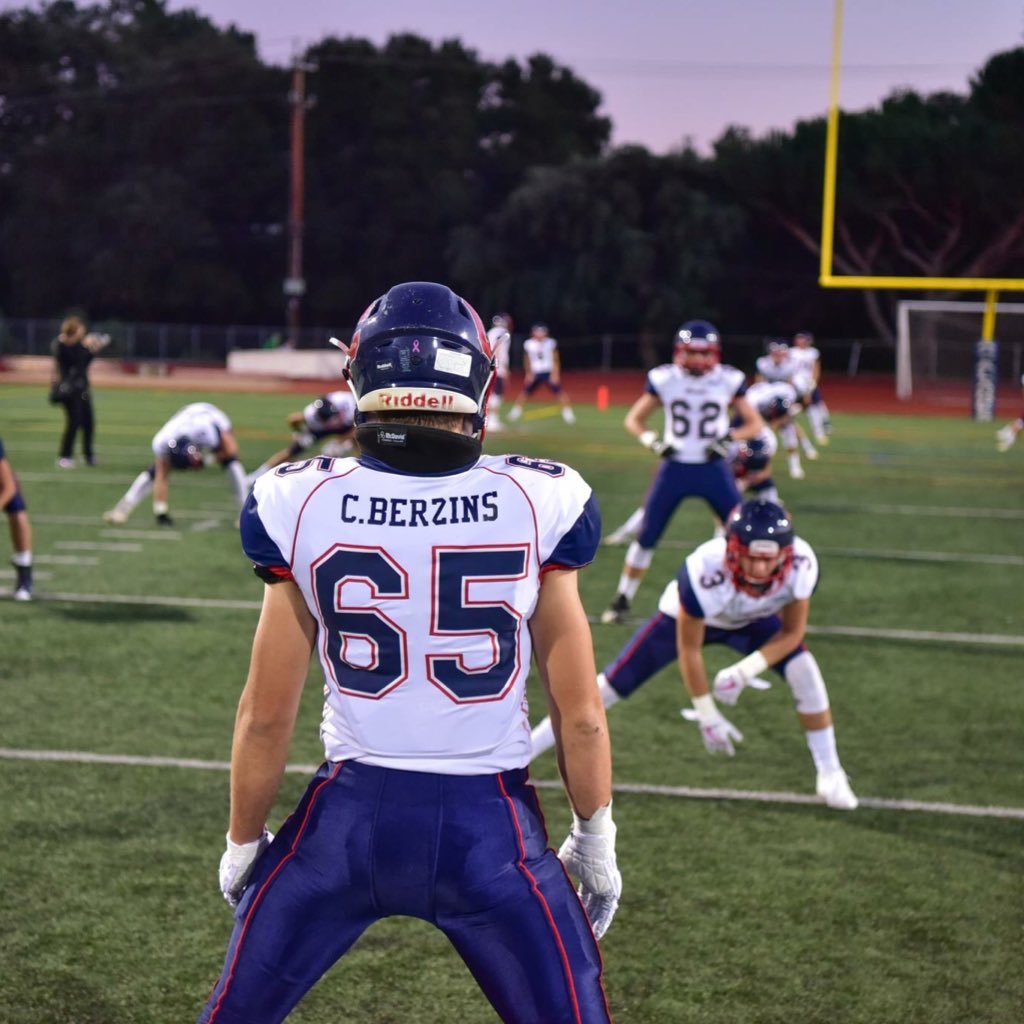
point(696, 393)
point(425, 576)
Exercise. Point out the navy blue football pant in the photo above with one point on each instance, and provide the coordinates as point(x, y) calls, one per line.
point(713, 481)
point(467, 853)
point(653, 646)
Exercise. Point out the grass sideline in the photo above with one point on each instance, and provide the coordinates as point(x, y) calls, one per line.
point(771, 912)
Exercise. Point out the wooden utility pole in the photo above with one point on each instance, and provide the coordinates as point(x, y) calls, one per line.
point(294, 282)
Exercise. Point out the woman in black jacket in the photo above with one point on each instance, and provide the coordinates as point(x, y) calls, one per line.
point(73, 350)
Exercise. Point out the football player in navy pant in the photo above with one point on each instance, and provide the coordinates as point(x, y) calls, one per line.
point(13, 504)
point(696, 393)
point(425, 575)
point(750, 590)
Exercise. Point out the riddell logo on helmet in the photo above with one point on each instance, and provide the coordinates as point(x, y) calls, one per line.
point(417, 400)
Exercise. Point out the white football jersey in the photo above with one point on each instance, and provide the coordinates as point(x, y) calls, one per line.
point(500, 340)
point(343, 419)
point(422, 588)
point(201, 422)
point(724, 606)
point(763, 392)
point(696, 408)
point(805, 359)
point(540, 354)
point(773, 371)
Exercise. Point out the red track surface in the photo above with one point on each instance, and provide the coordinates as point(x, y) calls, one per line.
point(863, 393)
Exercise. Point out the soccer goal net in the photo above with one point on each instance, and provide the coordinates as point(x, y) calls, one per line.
point(936, 341)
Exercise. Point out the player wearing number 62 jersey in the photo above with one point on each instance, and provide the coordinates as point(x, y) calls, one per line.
point(426, 576)
point(696, 393)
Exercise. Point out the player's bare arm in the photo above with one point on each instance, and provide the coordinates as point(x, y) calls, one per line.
point(639, 412)
point(689, 644)
point(565, 661)
point(794, 625)
point(752, 423)
point(228, 447)
point(268, 706)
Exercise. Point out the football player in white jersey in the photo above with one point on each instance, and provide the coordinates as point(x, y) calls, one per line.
point(12, 502)
point(808, 361)
point(777, 365)
point(543, 367)
point(331, 416)
point(183, 442)
point(779, 402)
point(500, 339)
point(696, 393)
point(425, 576)
point(750, 590)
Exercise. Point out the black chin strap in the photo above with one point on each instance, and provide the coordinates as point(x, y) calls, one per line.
point(414, 449)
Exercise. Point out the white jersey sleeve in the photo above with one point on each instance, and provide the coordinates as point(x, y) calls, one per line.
point(500, 341)
point(422, 588)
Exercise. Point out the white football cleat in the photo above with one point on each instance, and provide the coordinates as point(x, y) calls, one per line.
point(834, 788)
point(568, 415)
point(796, 471)
point(620, 537)
point(117, 515)
point(811, 453)
point(494, 425)
point(23, 594)
point(514, 413)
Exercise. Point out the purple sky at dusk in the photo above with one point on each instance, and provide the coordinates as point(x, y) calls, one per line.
point(671, 69)
point(668, 69)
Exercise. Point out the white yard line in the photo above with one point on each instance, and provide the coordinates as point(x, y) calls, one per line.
point(91, 545)
point(158, 533)
point(920, 636)
point(65, 559)
point(940, 511)
point(637, 788)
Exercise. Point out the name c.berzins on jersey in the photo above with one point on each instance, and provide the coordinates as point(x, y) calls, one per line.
point(451, 510)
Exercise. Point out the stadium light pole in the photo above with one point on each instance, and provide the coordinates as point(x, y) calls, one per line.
point(294, 282)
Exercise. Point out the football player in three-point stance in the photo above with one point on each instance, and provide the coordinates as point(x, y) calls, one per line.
point(329, 416)
point(750, 590)
point(182, 443)
point(696, 393)
point(425, 575)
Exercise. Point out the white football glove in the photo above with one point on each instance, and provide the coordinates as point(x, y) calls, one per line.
point(236, 865)
point(649, 439)
point(717, 732)
point(732, 681)
point(588, 853)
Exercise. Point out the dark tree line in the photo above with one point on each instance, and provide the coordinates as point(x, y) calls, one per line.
point(144, 175)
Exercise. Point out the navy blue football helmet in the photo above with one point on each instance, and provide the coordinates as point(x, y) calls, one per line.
point(184, 453)
point(759, 529)
point(751, 456)
point(697, 337)
point(775, 409)
point(324, 410)
point(420, 348)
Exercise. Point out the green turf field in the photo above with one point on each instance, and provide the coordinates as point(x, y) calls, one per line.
point(740, 909)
